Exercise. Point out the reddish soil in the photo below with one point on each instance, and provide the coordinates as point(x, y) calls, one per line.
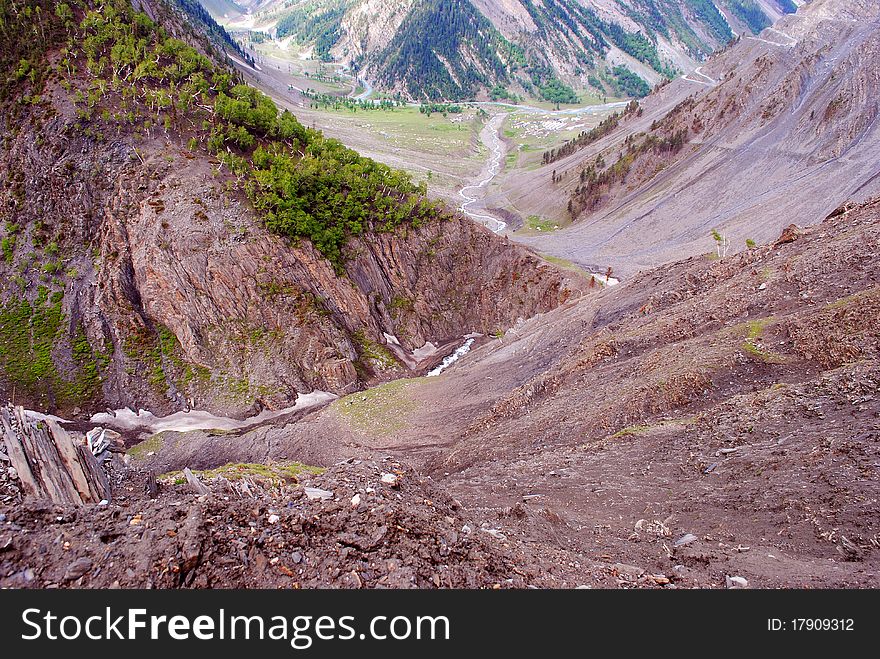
point(706, 420)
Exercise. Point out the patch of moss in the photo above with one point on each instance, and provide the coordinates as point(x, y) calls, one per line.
point(30, 334)
point(153, 444)
point(400, 304)
point(8, 247)
point(372, 351)
point(629, 431)
point(382, 410)
point(276, 472)
point(90, 363)
point(160, 355)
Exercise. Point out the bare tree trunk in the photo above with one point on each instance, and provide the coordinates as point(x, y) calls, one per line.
point(49, 463)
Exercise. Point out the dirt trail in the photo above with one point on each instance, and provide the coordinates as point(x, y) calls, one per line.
point(699, 72)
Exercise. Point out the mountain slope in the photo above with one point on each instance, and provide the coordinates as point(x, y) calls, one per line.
point(444, 49)
point(171, 240)
point(464, 48)
point(737, 147)
point(704, 420)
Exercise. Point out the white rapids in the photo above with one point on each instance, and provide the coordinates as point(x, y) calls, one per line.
point(462, 350)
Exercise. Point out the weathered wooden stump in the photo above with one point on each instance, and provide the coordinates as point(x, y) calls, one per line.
point(49, 463)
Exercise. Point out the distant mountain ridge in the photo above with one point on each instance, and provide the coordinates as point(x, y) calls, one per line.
point(778, 127)
point(462, 49)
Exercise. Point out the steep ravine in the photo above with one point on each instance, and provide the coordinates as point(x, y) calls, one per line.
point(136, 273)
point(195, 304)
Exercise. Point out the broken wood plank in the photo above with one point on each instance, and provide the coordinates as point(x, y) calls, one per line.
point(49, 463)
point(198, 486)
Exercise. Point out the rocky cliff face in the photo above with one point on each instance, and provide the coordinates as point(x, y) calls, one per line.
point(369, 27)
point(137, 273)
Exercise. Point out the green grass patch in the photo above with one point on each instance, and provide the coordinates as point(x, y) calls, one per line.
point(850, 300)
point(374, 352)
point(630, 431)
point(382, 410)
point(276, 472)
point(752, 344)
point(153, 444)
point(538, 223)
point(565, 264)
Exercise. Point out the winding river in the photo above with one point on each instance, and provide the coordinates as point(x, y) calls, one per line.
point(489, 136)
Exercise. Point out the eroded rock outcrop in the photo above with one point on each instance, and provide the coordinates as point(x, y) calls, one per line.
point(137, 273)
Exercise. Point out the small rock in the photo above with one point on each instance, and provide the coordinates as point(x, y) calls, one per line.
point(77, 569)
point(495, 533)
point(274, 519)
point(29, 575)
point(136, 520)
point(2, 517)
point(736, 583)
point(791, 233)
point(356, 501)
point(686, 539)
point(848, 549)
point(317, 493)
point(762, 287)
point(390, 479)
point(296, 557)
point(12, 473)
point(628, 570)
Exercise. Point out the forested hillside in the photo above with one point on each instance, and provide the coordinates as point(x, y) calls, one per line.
point(549, 49)
point(446, 49)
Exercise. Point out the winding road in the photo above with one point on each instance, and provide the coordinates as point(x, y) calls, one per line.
point(709, 82)
point(791, 41)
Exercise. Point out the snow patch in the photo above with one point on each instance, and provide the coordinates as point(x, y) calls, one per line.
point(127, 419)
